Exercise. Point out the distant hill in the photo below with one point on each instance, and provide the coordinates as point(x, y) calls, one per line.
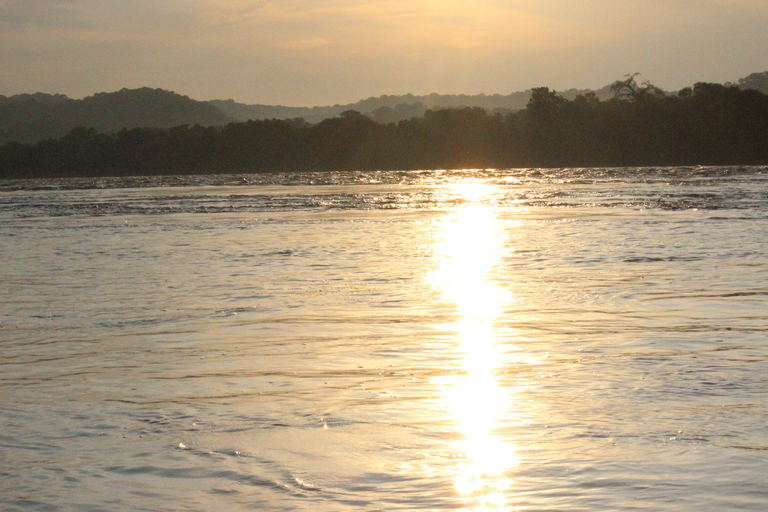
point(38, 116)
point(394, 108)
point(33, 117)
point(390, 109)
point(38, 97)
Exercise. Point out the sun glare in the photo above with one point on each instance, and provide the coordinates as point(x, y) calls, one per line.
point(468, 249)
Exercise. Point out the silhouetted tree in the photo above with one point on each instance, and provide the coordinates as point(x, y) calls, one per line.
point(630, 90)
point(756, 81)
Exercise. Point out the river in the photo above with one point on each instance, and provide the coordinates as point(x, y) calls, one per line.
point(566, 339)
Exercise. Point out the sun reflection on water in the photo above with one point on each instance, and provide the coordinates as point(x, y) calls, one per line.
point(469, 248)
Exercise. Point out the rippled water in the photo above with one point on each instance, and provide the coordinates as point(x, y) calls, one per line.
point(586, 339)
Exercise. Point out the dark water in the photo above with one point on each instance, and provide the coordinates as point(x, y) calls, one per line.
point(577, 339)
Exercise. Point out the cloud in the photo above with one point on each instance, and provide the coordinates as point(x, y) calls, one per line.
point(37, 13)
point(306, 44)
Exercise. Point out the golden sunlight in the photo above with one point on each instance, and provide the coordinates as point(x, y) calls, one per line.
point(468, 249)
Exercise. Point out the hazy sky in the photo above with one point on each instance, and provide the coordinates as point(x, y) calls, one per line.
point(320, 52)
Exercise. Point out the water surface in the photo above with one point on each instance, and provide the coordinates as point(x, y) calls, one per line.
point(574, 339)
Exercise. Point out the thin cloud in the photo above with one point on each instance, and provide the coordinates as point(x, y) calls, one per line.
point(353, 48)
point(306, 44)
point(38, 13)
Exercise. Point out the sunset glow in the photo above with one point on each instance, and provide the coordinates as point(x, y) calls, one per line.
point(267, 52)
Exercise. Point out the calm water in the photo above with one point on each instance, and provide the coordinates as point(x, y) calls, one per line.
point(507, 340)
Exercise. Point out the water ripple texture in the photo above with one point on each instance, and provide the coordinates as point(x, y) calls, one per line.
point(495, 340)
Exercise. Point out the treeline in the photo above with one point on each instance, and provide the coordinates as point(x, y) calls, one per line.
point(708, 124)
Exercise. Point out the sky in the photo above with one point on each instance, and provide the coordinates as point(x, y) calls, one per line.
point(324, 52)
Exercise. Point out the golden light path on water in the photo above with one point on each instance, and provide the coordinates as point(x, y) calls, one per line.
point(469, 247)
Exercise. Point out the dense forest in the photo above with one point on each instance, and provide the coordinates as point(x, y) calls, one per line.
point(707, 124)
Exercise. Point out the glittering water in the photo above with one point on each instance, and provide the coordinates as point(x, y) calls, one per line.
point(585, 339)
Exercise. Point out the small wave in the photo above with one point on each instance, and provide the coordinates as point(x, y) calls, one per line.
point(435, 177)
